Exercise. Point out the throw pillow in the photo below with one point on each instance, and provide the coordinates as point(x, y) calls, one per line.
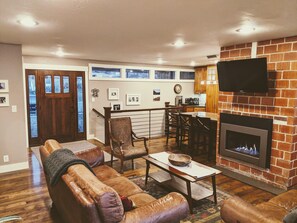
point(291, 217)
point(127, 203)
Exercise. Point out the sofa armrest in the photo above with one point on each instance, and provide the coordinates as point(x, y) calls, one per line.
point(170, 208)
point(94, 157)
point(234, 210)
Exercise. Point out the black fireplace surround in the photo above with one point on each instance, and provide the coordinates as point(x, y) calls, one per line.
point(245, 138)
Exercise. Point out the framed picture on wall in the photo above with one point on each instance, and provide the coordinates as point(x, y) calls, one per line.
point(4, 86)
point(133, 99)
point(4, 100)
point(113, 94)
point(115, 106)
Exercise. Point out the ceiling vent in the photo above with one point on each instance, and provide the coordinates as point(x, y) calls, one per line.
point(211, 56)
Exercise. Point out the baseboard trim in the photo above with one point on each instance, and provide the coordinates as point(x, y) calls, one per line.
point(251, 181)
point(14, 167)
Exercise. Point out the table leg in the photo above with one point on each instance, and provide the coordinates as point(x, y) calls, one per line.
point(213, 178)
point(190, 200)
point(147, 171)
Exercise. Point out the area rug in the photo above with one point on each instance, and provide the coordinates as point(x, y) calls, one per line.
point(204, 210)
point(74, 147)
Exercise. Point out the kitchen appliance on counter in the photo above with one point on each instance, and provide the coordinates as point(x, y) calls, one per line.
point(192, 101)
point(178, 100)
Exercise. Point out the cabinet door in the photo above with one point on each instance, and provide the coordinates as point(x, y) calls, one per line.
point(212, 92)
point(189, 109)
point(202, 109)
point(200, 80)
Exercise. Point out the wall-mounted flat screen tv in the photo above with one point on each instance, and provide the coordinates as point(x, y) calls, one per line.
point(249, 75)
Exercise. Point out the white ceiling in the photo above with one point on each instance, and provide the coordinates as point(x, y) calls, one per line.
point(141, 31)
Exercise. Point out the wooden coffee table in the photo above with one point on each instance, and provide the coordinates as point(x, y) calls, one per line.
point(182, 182)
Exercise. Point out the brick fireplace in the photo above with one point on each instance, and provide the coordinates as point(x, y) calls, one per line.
point(278, 104)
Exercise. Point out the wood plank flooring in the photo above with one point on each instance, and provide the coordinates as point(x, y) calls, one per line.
point(24, 193)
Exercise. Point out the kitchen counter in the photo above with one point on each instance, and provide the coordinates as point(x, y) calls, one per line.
point(193, 108)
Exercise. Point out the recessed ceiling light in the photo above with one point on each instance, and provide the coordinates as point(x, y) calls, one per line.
point(179, 43)
point(193, 63)
point(160, 61)
point(60, 53)
point(246, 30)
point(28, 22)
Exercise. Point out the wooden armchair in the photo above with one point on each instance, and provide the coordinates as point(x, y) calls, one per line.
point(122, 138)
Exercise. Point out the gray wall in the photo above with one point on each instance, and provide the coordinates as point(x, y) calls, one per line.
point(145, 88)
point(13, 127)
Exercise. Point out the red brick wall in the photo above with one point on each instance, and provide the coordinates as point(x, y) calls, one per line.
point(279, 104)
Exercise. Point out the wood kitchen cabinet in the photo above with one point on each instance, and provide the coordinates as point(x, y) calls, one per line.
point(212, 89)
point(200, 80)
point(206, 81)
point(193, 108)
point(212, 97)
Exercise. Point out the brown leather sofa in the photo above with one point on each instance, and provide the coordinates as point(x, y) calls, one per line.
point(236, 210)
point(81, 197)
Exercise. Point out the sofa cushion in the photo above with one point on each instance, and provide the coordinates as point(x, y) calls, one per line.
point(105, 172)
point(123, 186)
point(107, 200)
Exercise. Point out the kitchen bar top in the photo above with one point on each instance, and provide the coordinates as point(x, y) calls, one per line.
point(212, 116)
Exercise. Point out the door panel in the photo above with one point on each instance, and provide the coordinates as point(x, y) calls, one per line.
point(57, 109)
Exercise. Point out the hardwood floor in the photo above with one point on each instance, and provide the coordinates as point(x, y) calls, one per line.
point(24, 193)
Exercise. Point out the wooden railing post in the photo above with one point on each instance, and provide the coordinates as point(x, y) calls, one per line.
point(107, 114)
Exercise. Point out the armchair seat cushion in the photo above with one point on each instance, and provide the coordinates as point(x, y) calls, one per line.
point(270, 210)
point(237, 210)
point(133, 152)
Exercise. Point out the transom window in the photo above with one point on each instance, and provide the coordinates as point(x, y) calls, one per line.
point(102, 72)
point(137, 73)
point(187, 75)
point(164, 74)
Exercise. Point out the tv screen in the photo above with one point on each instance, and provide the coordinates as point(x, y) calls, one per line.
point(249, 75)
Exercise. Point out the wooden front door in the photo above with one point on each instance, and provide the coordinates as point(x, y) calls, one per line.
point(56, 105)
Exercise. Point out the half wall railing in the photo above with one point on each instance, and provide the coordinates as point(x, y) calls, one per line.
point(148, 122)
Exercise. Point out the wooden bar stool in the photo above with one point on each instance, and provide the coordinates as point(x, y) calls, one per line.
point(185, 125)
point(172, 125)
point(202, 136)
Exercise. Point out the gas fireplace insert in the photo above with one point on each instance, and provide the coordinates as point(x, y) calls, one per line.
point(245, 138)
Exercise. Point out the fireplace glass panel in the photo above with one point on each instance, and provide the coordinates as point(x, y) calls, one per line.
point(243, 143)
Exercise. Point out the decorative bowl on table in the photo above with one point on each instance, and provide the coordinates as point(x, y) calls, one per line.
point(179, 159)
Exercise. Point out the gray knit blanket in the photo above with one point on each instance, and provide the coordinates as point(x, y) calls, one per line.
point(57, 163)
